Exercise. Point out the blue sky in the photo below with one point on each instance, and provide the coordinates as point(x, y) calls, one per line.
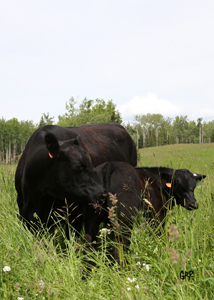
point(147, 56)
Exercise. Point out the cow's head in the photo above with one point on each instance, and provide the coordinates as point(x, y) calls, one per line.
point(183, 186)
point(70, 171)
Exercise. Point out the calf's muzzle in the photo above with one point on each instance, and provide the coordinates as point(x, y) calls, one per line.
point(191, 206)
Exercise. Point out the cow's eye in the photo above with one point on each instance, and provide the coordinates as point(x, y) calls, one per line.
point(79, 167)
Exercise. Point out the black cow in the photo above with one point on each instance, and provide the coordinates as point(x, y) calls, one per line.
point(166, 183)
point(121, 180)
point(58, 163)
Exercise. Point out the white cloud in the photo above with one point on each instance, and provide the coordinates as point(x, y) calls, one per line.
point(148, 104)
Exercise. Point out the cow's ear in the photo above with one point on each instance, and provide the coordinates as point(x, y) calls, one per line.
point(76, 141)
point(51, 144)
point(199, 177)
point(167, 177)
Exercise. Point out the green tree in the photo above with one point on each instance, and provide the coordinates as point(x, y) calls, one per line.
point(166, 132)
point(69, 118)
point(192, 132)
point(180, 126)
point(13, 138)
point(46, 120)
point(208, 132)
point(152, 129)
point(200, 130)
point(89, 111)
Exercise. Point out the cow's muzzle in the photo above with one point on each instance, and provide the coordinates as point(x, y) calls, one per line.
point(192, 206)
point(100, 203)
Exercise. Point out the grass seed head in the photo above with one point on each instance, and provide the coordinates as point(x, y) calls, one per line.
point(173, 233)
point(173, 254)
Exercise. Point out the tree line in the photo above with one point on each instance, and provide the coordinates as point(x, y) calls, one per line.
point(14, 134)
point(152, 130)
point(13, 138)
point(146, 130)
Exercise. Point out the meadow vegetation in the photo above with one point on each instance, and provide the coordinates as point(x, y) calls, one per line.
point(50, 267)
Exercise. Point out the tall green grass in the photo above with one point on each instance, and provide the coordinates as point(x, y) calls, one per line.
point(44, 268)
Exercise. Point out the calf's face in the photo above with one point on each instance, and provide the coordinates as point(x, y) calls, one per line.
point(184, 186)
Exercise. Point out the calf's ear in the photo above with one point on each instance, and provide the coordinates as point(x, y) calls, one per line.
point(199, 177)
point(168, 176)
point(51, 144)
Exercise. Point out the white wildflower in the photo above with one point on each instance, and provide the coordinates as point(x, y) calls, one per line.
point(138, 264)
point(128, 289)
point(147, 268)
point(104, 231)
point(41, 283)
point(137, 286)
point(6, 269)
point(132, 280)
point(20, 298)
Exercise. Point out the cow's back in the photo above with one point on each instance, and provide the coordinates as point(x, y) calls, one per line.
point(107, 142)
point(104, 142)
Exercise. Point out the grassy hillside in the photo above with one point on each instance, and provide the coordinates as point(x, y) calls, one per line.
point(47, 268)
point(195, 157)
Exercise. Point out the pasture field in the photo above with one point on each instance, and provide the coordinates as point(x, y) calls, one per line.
point(50, 267)
point(198, 158)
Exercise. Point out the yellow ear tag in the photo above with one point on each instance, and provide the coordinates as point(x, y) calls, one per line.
point(51, 156)
point(168, 184)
